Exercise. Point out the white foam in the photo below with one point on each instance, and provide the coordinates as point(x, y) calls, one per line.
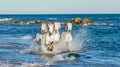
point(70, 58)
point(58, 58)
point(5, 19)
point(31, 65)
point(23, 65)
point(8, 65)
point(26, 37)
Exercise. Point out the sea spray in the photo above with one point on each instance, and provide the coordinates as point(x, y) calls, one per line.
point(32, 49)
point(26, 37)
point(79, 39)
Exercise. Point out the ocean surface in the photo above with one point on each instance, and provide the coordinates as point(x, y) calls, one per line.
point(97, 46)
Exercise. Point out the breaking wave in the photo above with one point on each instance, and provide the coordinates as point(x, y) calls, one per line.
point(5, 19)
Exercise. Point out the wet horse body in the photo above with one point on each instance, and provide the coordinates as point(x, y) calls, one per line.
point(66, 37)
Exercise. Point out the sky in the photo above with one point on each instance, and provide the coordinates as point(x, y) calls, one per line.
point(59, 6)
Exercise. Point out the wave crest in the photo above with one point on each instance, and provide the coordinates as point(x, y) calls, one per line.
point(5, 19)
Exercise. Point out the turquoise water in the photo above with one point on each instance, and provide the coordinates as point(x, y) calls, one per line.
point(100, 45)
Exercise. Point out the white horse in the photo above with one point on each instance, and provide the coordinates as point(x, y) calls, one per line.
point(66, 37)
point(42, 39)
point(50, 39)
point(54, 35)
point(57, 33)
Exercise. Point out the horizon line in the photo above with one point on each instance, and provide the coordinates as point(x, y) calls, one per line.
point(53, 13)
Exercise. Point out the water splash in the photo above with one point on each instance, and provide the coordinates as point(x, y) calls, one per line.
point(51, 58)
point(26, 37)
point(34, 48)
point(79, 39)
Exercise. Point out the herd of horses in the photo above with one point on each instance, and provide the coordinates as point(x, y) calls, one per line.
point(51, 40)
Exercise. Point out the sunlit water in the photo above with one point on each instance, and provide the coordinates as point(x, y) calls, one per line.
point(95, 46)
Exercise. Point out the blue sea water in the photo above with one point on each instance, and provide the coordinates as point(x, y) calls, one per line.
point(100, 44)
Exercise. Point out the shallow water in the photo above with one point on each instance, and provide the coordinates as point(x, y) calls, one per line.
point(97, 46)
